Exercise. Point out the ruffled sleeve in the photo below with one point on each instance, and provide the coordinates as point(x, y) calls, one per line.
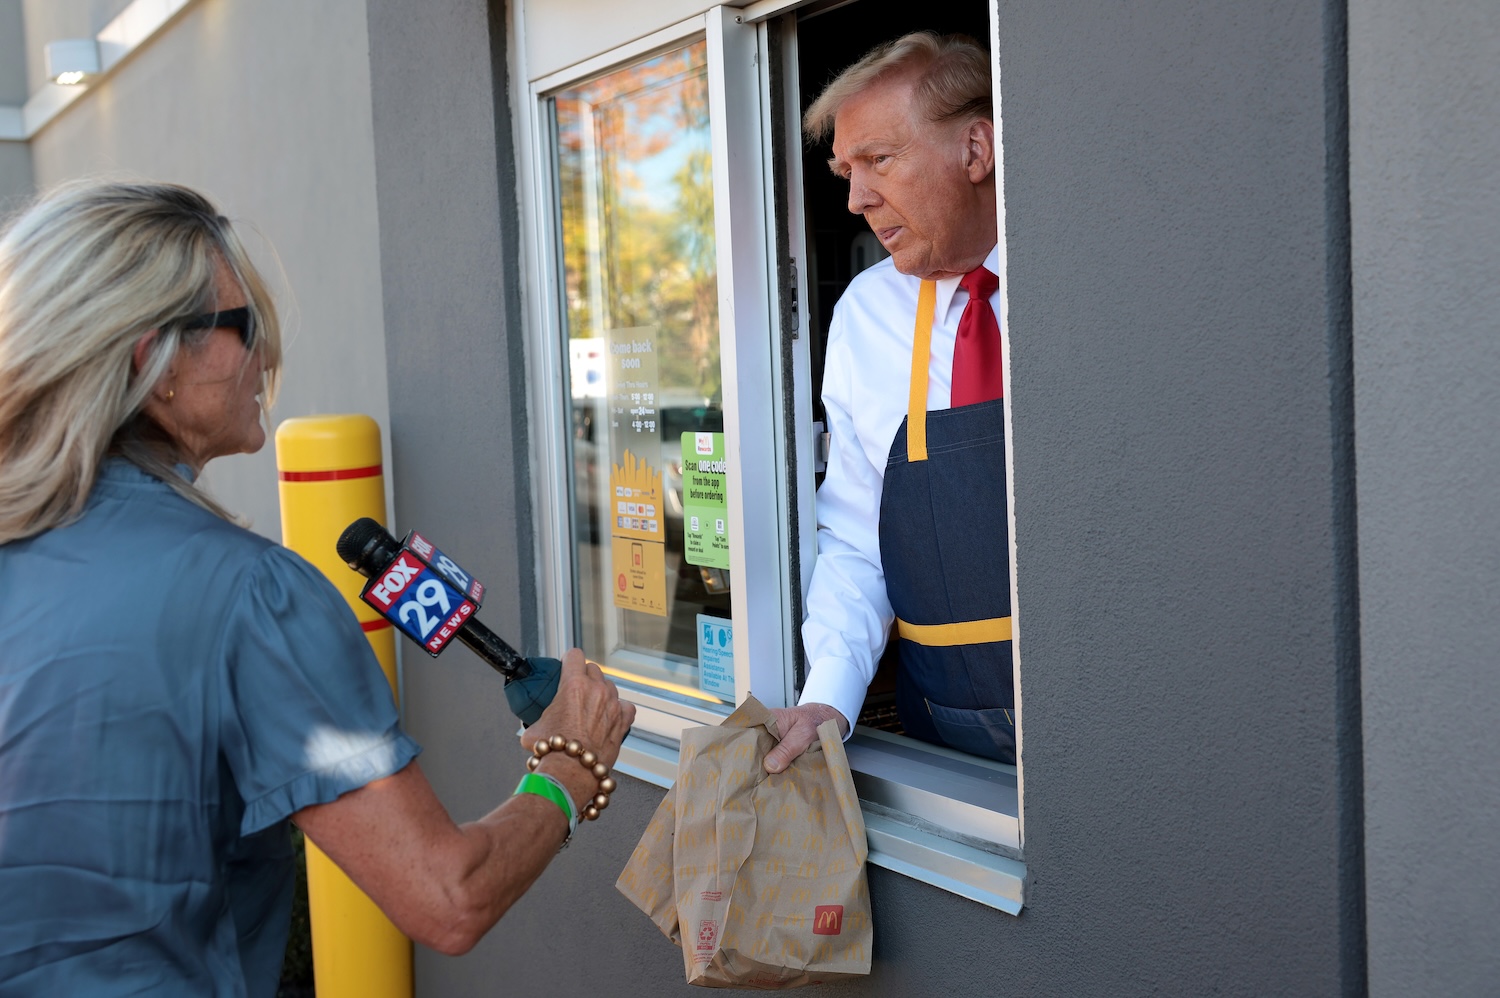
point(306, 713)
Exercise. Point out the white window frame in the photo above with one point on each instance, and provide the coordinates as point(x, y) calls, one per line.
point(938, 816)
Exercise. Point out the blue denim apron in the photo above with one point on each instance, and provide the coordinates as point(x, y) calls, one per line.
point(945, 548)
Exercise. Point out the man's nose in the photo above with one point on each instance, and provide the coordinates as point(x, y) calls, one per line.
point(861, 197)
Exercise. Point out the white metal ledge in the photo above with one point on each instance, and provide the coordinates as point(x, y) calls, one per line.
point(904, 843)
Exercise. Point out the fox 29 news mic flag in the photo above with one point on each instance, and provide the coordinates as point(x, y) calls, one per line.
point(425, 594)
point(431, 600)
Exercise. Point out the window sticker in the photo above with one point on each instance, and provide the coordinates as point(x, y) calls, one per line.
point(637, 534)
point(705, 510)
point(716, 656)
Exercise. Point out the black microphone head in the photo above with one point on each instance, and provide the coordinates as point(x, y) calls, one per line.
point(367, 547)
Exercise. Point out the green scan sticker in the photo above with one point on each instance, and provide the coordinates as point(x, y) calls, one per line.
point(705, 510)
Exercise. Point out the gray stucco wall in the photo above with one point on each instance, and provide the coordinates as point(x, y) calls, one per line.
point(15, 176)
point(13, 86)
point(1425, 194)
point(265, 107)
point(1167, 205)
point(1172, 228)
point(15, 157)
point(457, 401)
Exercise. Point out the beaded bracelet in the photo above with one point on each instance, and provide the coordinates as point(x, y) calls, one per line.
point(574, 748)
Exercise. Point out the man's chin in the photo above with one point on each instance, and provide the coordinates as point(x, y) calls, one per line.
point(908, 262)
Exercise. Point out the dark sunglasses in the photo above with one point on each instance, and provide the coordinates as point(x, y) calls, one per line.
point(241, 320)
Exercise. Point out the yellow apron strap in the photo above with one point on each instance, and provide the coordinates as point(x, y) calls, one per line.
point(968, 632)
point(921, 356)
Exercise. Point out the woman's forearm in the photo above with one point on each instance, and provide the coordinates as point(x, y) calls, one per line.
point(441, 884)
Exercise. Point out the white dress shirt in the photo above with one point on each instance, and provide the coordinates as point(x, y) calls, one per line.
point(866, 384)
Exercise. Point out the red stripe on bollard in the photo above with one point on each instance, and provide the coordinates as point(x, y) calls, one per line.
point(330, 476)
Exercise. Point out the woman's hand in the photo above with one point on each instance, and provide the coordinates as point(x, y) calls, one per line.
point(588, 708)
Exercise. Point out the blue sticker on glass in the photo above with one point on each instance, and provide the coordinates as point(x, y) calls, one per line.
point(716, 656)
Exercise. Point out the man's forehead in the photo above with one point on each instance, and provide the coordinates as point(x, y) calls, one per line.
point(878, 115)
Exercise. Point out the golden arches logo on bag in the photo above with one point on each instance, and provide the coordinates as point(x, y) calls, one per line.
point(828, 919)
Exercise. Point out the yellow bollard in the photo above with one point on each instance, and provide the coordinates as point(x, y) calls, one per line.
point(330, 471)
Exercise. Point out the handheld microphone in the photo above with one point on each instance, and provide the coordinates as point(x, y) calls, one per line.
point(430, 599)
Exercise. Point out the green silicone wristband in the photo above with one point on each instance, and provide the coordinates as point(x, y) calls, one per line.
point(547, 786)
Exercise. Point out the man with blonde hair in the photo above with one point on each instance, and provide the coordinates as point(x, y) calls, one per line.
point(912, 525)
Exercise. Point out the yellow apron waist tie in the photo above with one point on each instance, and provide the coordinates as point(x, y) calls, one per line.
point(968, 632)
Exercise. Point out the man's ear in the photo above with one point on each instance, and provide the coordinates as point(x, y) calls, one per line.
point(979, 150)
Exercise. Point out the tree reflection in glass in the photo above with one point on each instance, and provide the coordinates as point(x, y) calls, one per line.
point(640, 305)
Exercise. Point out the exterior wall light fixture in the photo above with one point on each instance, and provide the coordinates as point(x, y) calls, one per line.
point(72, 61)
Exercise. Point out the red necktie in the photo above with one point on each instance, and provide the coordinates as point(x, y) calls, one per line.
point(976, 352)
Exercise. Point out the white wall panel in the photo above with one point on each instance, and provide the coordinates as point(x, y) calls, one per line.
point(560, 33)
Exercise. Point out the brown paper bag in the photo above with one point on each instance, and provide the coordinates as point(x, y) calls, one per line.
point(759, 878)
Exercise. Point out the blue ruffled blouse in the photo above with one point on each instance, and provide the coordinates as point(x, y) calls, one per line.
point(172, 689)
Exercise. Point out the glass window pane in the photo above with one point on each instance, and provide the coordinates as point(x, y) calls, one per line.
point(639, 285)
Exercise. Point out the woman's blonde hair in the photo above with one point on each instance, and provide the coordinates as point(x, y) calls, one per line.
point(953, 80)
point(86, 271)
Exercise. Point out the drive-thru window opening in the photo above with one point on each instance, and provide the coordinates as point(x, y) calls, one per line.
point(647, 161)
point(839, 244)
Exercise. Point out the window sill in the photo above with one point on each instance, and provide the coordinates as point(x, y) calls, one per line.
point(966, 840)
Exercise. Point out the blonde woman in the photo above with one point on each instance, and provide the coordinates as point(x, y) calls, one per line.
point(173, 688)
